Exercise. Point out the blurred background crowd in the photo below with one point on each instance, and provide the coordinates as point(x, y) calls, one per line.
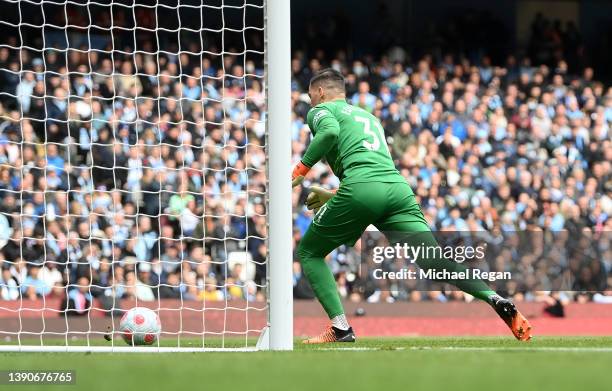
point(142, 174)
point(497, 148)
point(120, 182)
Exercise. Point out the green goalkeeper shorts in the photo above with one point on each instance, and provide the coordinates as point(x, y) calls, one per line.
point(390, 207)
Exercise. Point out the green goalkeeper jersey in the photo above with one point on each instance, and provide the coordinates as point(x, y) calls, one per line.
point(353, 143)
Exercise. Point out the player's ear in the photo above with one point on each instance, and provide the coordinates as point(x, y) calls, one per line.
point(321, 91)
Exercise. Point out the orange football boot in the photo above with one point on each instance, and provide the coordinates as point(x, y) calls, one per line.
point(332, 334)
point(520, 326)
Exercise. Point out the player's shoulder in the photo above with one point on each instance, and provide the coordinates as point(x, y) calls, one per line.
point(335, 108)
point(323, 107)
point(320, 111)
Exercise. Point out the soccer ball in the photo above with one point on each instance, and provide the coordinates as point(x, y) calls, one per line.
point(140, 326)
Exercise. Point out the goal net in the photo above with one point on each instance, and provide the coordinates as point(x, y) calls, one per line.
point(133, 153)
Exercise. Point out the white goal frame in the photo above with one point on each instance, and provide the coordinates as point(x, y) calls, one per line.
point(278, 74)
point(278, 334)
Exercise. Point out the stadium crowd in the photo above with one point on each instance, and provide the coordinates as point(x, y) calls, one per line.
point(116, 184)
point(138, 175)
point(514, 149)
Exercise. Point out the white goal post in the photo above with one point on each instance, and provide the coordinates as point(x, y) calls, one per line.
point(278, 37)
point(145, 160)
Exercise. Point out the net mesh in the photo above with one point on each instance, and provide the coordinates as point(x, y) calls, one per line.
point(132, 170)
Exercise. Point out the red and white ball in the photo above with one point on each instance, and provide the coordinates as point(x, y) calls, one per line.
point(140, 326)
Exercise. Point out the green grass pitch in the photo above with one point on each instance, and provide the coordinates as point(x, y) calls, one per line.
point(492, 363)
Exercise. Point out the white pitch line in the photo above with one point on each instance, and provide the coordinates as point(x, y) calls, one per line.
point(519, 348)
point(483, 349)
point(357, 349)
point(117, 349)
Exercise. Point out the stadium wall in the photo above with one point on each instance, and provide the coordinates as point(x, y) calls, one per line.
point(380, 319)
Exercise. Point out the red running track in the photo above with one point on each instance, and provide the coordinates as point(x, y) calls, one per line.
point(381, 319)
point(452, 327)
point(458, 319)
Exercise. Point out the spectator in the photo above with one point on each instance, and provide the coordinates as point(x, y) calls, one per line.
point(150, 158)
point(9, 288)
point(79, 298)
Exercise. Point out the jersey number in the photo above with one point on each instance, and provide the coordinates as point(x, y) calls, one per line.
point(378, 139)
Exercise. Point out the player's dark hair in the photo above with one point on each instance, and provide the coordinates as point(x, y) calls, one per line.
point(329, 78)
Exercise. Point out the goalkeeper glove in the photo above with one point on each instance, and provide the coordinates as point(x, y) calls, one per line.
point(299, 172)
point(318, 196)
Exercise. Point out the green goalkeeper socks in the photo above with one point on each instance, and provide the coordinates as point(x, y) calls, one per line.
point(473, 286)
point(323, 283)
point(407, 232)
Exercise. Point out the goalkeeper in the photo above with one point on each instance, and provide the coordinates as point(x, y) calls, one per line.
point(371, 191)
